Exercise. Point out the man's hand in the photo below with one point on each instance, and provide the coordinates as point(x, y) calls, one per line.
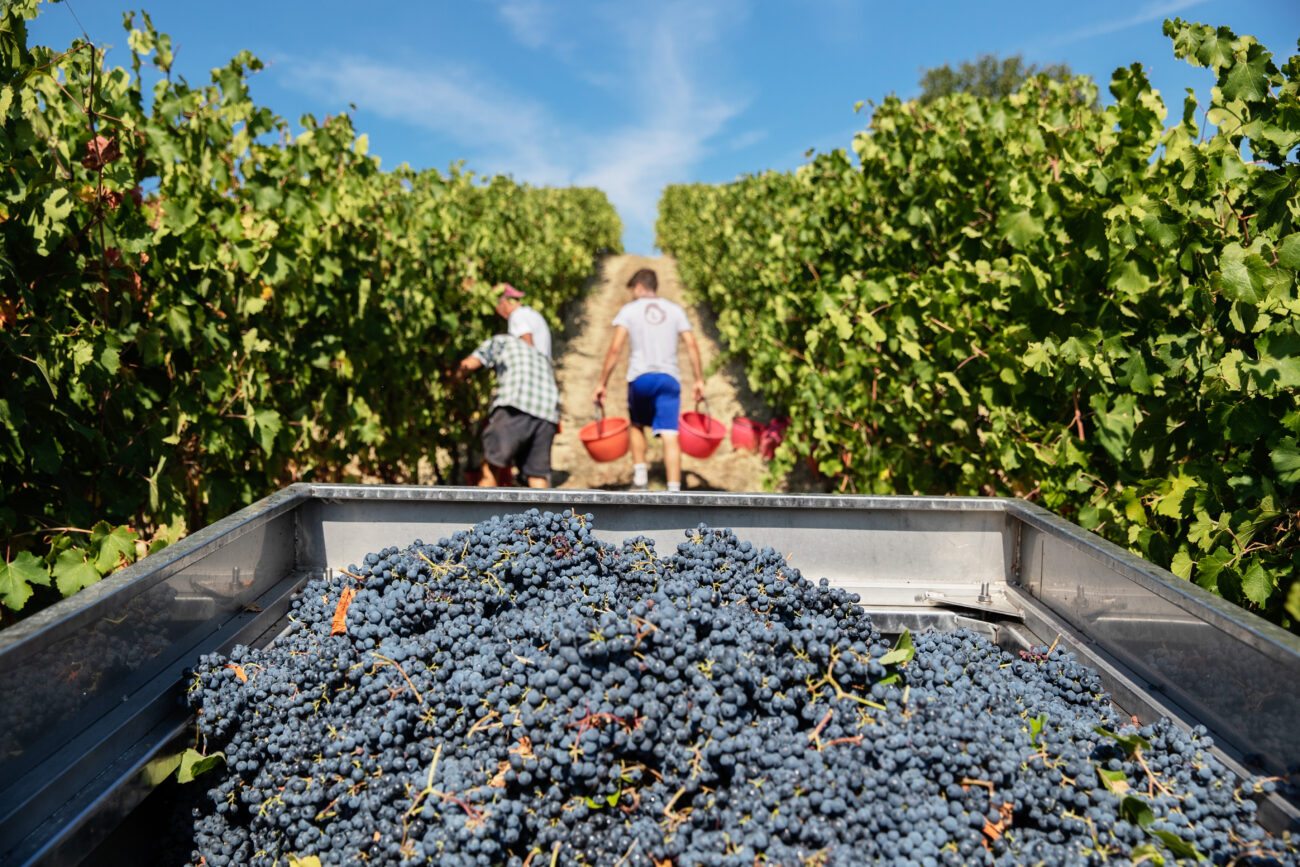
point(693, 353)
point(466, 366)
point(599, 396)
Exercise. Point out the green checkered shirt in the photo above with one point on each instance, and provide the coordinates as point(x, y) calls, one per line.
point(525, 379)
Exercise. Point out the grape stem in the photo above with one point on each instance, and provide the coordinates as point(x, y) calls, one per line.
point(628, 853)
point(384, 660)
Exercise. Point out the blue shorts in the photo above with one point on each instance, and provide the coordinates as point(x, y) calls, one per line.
point(655, 399)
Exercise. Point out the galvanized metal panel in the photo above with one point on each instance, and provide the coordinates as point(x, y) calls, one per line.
point(1239, 676)
point(891, 550)
point(81, 671)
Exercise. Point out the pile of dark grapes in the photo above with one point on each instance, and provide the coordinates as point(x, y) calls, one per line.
point(524, 694)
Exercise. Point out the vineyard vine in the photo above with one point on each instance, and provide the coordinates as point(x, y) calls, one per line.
point(1036, 297)
point(200, 306)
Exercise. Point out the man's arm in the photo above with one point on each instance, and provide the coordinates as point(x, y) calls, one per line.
point(693, 352)
point(527, 337)
point(467, 365)
point(611, 359)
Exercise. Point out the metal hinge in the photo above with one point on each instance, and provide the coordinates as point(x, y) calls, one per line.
point(987, 599)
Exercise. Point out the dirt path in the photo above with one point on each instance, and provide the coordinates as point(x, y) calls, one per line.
point(577, 369)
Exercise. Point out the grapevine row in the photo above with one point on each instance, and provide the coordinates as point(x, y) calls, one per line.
point(201, 306)
point(1038, 297)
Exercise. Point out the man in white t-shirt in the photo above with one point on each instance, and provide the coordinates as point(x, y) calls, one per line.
point(522, 321)
point(652, 326)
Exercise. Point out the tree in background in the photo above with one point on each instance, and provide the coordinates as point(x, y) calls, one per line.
point(987, 76)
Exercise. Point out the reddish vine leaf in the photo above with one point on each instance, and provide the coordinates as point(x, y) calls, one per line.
point(100, 151)
point(8, 312)
point(339, 625)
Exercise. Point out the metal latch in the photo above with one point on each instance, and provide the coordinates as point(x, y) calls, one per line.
point(987, 599)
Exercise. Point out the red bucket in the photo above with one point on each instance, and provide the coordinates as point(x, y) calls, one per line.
point(745, 433)
point(605, 438)
point(700, 434)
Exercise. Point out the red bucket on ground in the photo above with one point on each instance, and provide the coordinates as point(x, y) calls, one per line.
point(699, 433)
point(745, 433)
point(605, 439)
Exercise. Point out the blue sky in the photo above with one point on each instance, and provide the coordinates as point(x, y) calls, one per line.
point(630, 97)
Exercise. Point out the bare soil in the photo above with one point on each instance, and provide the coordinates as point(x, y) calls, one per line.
point(579, 354)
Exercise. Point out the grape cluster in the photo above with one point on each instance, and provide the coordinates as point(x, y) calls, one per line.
point(525, 694)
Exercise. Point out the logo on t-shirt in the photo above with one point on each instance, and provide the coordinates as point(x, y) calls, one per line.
point(654, 315)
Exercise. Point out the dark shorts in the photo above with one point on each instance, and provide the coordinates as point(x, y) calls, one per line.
point(513, 438)
point(655, 400)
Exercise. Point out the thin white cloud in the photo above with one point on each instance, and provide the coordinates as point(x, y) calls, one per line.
point(1148, 12)
point(676, 119)
point(528, 21)
point(747, 139)
point(497, 126)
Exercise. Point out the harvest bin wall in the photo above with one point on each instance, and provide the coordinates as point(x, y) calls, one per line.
point(92, 685)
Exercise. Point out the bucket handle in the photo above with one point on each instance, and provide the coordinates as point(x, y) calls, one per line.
point(599, 419)
point(708, 417)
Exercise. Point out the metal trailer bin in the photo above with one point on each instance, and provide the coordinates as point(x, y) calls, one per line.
point(92, 685)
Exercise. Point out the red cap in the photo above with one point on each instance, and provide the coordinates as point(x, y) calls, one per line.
point(508, 291)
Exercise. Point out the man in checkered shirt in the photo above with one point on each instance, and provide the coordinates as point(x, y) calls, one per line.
point(525, 411)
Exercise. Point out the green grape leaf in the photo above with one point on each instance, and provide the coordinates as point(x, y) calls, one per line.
point(193, 763)
point(266, 423)
point(1285, 458)
point(902, 652)
point(1136, 811)
point(1235, 278)
point(73, 572)
point(1171, 504)
point(1036, 726)
point(58, 204)
point(1114, 781)
point(1020, 228)
point(1279, 361)
point(159, 769)
point(178, 321)
point(1247, 79)
point(116, 547)
point(1288, 252)
point(1147, 853)
point(1257, 584)
point(17, 577)
point(1165, 233)
point(1176, 844)
point(1213, 565)
point(1131, 744)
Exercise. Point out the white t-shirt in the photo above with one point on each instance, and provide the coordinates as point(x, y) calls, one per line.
point(652, 327)
point(525, 320)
